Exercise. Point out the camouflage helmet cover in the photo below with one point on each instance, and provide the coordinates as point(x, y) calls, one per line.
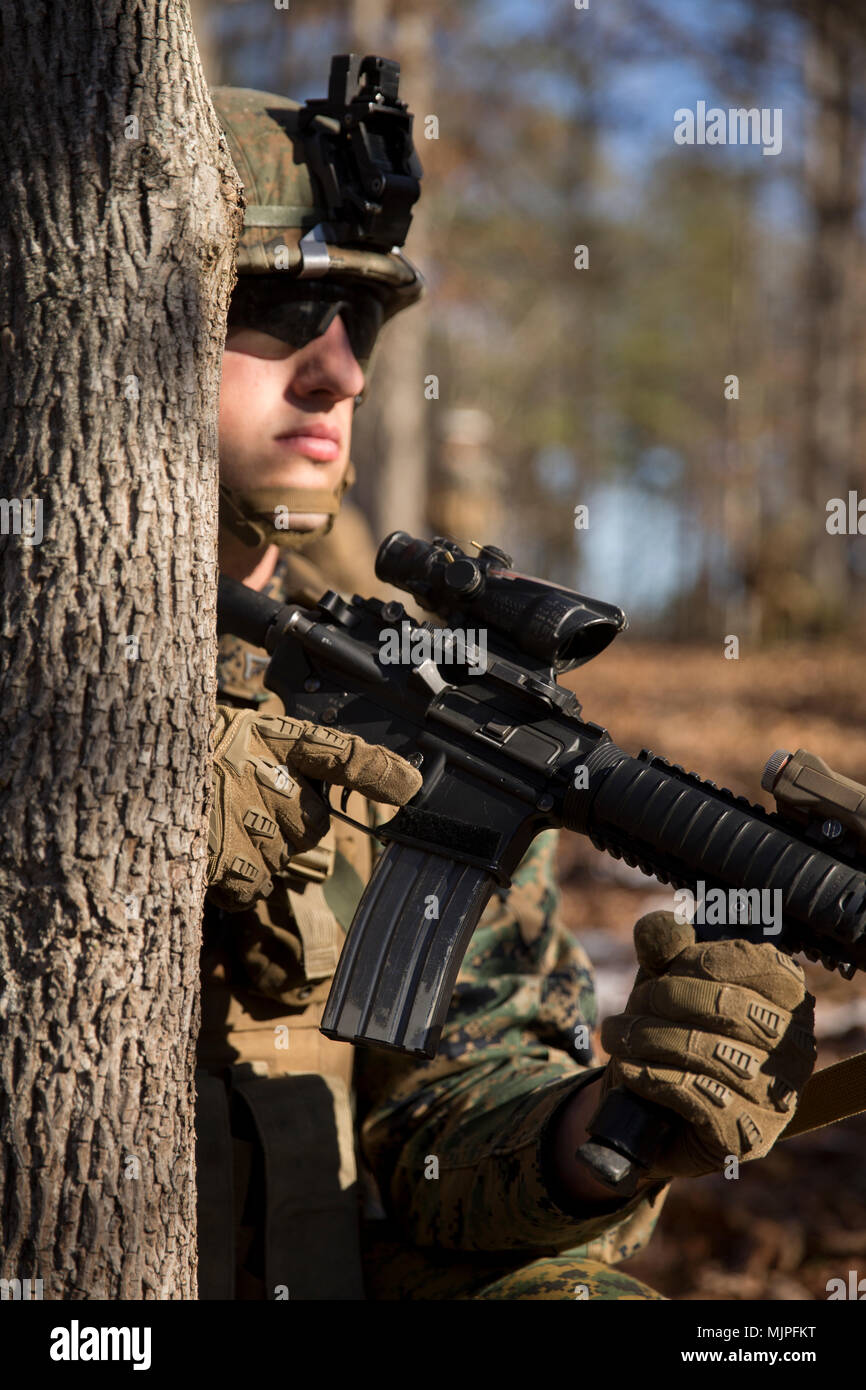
point(284, 203)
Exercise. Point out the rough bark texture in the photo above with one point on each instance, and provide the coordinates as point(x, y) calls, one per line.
point(117, 241)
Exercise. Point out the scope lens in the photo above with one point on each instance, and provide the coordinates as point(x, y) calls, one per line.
point(391, 555)
point(586, 642)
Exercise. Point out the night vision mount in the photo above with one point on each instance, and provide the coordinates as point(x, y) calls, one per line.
point(358, 143)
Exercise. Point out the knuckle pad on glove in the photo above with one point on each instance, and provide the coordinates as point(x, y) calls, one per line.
point(275, 852)
point(734, 1010)
point(727, 1061)
point(319, 741)
point(323, 753)
point(275, 779)
point(719, 1123)
point(242, 881)
point(760, 967)
point(281, 730)
point(307, 748)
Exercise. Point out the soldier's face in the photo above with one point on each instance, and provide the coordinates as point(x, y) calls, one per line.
point(285, 417)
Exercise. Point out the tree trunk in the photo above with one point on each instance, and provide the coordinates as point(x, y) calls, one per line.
point(117, 245)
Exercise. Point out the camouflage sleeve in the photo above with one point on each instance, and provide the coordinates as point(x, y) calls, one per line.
point(516, 1045)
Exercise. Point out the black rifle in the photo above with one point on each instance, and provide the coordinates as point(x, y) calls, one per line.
point(505, 754)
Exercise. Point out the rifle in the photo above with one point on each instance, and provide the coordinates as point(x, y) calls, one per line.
point(505, 754)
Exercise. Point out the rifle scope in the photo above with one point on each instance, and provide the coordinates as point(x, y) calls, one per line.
point(558, 626)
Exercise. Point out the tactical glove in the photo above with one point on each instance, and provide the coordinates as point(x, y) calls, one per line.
point(264, 808)
point(720, 1032)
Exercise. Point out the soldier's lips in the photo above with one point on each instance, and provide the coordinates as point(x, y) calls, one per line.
point(319, 448)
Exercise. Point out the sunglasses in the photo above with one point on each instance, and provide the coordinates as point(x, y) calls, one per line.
point(298, 313)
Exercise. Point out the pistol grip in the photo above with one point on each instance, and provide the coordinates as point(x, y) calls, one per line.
point(626, 1136)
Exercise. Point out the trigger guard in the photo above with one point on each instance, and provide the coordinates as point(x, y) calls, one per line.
point(323, 790)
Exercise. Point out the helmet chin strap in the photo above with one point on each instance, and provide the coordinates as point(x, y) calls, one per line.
point(263, 515)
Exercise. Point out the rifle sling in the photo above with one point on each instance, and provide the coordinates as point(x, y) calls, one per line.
point(836, 1093)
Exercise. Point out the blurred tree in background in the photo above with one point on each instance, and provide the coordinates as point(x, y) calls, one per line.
point(605, 386)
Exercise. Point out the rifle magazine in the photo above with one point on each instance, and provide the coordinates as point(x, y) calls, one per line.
point(396, 974)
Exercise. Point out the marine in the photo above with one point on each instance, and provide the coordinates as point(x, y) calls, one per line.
point(314, 1161)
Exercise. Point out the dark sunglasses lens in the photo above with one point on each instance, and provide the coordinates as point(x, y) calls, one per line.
point(295, 321)
point(363, 319)
point(306, 312)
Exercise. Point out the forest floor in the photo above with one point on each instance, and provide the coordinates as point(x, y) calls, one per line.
point(796, 1219)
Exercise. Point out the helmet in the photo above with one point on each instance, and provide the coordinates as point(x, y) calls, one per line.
point(329, 186)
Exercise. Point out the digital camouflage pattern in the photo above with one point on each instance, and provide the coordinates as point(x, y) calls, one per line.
point(395, 1271)
point(561, 1276)
point(516, 1045)
point(506, 1063)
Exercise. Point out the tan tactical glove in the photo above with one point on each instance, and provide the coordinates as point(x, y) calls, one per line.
point(264, 809)
point(720, 1032)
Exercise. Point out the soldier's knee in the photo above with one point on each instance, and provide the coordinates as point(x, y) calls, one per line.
point(568, 1276)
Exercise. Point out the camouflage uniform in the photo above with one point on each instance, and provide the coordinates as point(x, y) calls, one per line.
point(489, 1224)
point(288, 1138)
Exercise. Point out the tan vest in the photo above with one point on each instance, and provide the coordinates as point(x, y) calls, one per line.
point(289, 946)
point(265, 978)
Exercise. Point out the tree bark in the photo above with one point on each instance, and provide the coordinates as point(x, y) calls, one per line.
point(121, 211)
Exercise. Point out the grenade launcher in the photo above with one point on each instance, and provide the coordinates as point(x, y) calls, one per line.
point(505, 754)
